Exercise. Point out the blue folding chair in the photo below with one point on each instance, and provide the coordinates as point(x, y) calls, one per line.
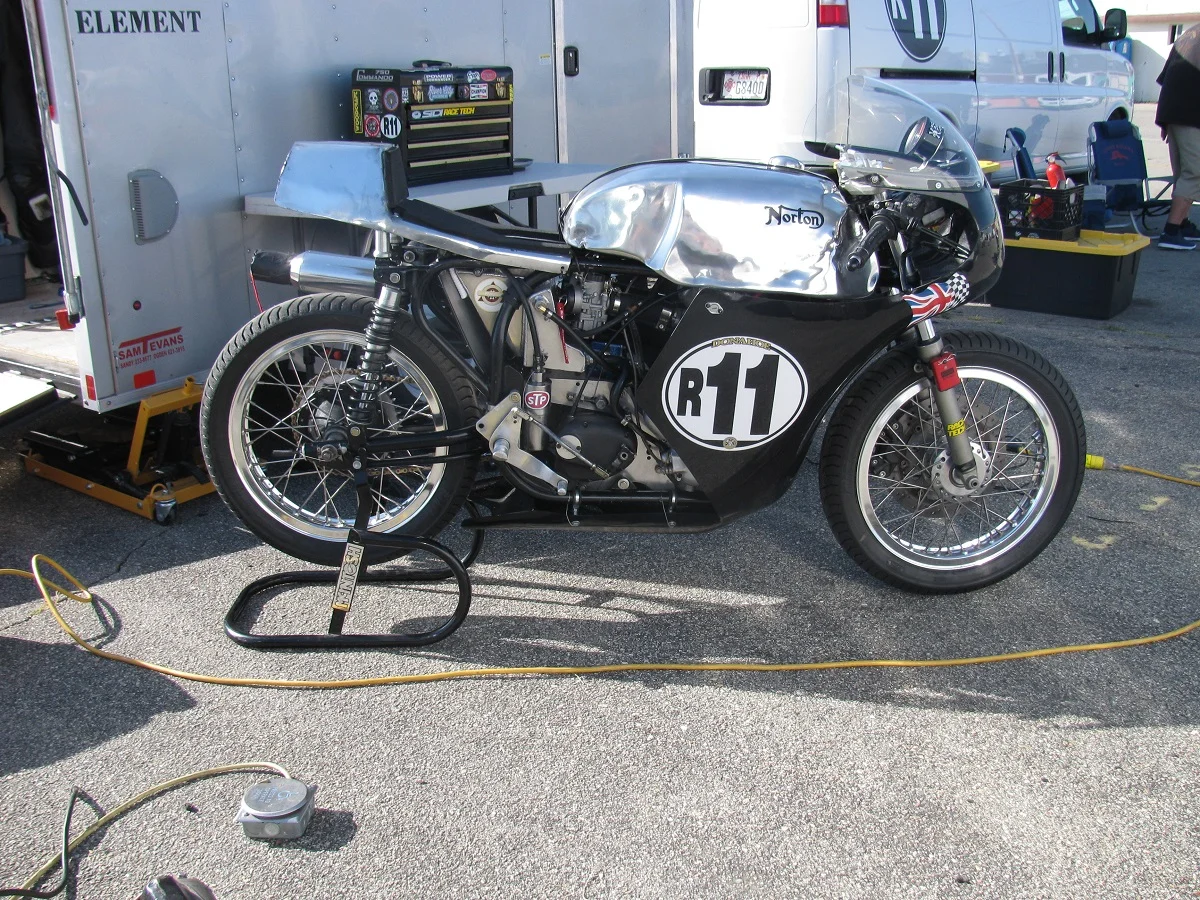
point(1022, 162)
point(1117, 161)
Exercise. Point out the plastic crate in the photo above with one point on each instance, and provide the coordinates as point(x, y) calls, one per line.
point(1033, 209)
point(12, 270)
point(1091, 278)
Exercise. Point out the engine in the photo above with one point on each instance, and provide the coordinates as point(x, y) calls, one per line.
point(579, 423)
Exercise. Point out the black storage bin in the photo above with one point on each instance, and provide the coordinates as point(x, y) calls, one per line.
point(12, 270)
point(1031, 208)
point(450, 121)
point(1091, 278)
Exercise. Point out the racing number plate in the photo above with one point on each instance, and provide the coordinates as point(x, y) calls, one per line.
point(745, 84)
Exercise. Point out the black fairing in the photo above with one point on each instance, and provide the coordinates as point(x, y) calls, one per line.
point(831, 340)
point(983, 271)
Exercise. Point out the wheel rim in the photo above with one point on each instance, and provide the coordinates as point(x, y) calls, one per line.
point(288, 395)
point(901, 482)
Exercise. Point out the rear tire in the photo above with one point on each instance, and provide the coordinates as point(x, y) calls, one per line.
point(884, 474)
point(281, 380)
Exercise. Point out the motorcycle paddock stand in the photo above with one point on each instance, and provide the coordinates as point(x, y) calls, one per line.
point(346, 579)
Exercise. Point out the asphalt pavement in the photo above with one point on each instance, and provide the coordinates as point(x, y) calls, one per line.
point(1064, 777)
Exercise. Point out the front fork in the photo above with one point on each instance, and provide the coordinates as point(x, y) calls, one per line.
point(944, 371)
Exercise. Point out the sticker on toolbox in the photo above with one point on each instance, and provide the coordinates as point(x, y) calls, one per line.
point(403, 95)
point(440, 92)
point(488, 75)
point(391, 100)
point(371, 126)
point(391, 127)
point(472, 75)
point(479, 92)
point(374, 100)
point(356, 107)
point(418, 92)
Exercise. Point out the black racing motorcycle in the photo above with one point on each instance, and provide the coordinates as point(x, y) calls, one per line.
point(663, 365)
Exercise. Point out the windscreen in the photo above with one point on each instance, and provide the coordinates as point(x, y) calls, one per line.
point(893, 140)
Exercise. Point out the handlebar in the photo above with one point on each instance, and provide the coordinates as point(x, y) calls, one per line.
point(883, 227)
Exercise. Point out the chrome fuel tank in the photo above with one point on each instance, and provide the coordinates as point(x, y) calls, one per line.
point(724, 225)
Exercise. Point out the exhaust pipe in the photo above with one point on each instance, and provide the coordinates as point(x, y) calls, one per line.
point(313, 271)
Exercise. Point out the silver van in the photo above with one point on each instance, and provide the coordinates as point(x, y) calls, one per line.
point(765, 70)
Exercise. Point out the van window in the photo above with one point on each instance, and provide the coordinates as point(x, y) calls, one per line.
point(1080, 23)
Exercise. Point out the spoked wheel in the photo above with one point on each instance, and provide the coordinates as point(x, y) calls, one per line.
point(886, 476)
point(284, 381)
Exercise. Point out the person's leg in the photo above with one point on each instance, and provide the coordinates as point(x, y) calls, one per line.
point(1180, 233)
point(1184, 145)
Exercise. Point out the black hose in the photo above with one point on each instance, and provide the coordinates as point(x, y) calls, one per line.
point(539, 360)
point(66, 846)
point(499, 343)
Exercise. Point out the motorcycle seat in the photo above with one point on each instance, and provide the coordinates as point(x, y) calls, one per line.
point(437, 218)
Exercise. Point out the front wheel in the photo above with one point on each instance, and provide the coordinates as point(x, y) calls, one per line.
point(285, 380)
point(886, 482)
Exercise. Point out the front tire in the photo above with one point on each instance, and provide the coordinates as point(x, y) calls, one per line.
point(885, 467)
point(282, 380)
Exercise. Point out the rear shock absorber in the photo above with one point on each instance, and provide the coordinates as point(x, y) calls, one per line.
point(387, 308)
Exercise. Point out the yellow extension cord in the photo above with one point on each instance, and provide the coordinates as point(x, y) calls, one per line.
point(83, 595)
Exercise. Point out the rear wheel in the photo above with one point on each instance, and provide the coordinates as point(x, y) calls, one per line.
point(886, 480)
point(283, 381)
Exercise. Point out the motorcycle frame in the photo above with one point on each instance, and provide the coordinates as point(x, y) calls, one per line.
point(401, 277)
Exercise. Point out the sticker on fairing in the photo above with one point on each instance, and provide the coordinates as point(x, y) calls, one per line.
point(734, 393)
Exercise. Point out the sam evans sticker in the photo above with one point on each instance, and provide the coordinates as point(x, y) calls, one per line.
point(150, 347)
point(734, 393)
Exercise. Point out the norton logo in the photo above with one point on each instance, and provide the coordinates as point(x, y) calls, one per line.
point(786, 215)
point(920, 26)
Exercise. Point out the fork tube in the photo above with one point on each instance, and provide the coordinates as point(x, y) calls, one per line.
point(929, 347)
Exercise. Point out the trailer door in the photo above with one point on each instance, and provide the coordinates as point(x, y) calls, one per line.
point(617, 80)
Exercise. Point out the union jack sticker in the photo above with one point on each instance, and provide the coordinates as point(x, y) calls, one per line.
point(939, 297)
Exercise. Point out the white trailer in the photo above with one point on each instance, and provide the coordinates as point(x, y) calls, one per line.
point(165, 120)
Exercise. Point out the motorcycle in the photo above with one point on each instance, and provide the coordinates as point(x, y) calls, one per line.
point(663, 365)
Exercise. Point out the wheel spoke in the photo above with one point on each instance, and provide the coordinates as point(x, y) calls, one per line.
point(941, 525)
point(292, 394)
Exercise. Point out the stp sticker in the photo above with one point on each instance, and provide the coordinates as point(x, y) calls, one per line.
point(734, 393)
point(919, 26)
point(371, 126)
point(537, 399)
point(488, 75)
point(391, 100)
point(391, 127)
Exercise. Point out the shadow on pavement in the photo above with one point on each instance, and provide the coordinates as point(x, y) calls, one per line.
point(70, 700)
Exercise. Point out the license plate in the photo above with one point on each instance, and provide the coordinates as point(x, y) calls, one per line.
point(749, 84)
